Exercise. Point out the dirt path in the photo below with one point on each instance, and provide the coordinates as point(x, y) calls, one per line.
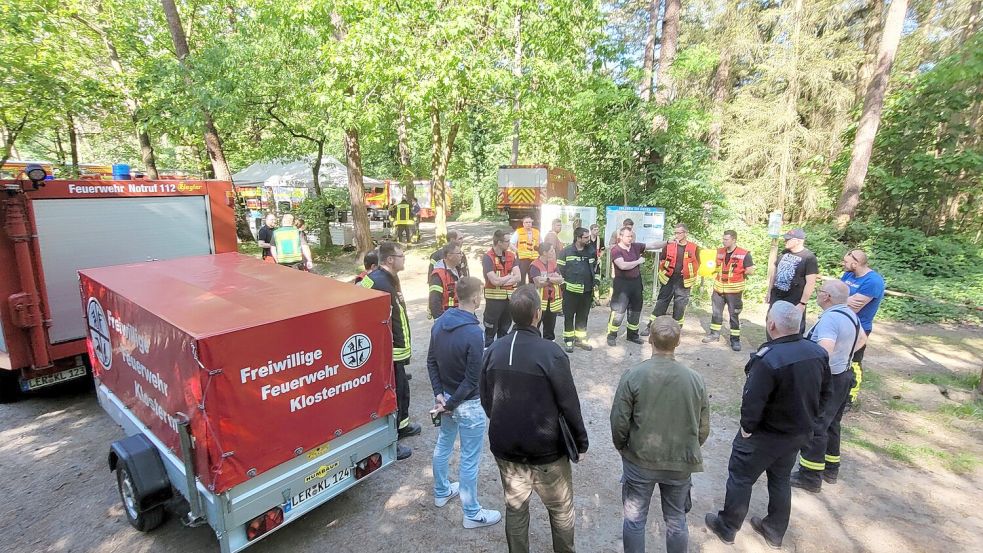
point(912, 477)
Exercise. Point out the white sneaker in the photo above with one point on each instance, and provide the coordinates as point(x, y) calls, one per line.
point(485, 517)
point(455, 490)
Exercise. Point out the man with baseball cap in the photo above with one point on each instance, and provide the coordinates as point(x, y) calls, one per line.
point(794, 278)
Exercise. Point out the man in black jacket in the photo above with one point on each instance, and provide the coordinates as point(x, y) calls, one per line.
point(525, 387)
point(788, 386)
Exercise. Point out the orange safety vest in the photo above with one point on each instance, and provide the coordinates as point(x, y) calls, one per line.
point(549, 295)
point(528, 244)
point(730, 278)
point(449, 288)
point(690, 264)
point(493, 292)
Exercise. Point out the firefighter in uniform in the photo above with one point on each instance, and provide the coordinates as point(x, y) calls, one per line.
point(443, 281)
point(576, 263)
point(525, 243)
point(404, 221)
point(788, 387)
point(733, 264)
point(838, 331)
point(626, 289)
point(679, 264)
point(386, 279)
point(501, 277)
point(544, 274)
point(288, 246)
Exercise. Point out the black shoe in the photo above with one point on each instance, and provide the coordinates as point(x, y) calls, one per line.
point(805, 483)
point(568, 347)
point(411, 429)
point(635, 339)
point(402, 452)
point(717, 527)
point(735, 344)
point(645, 329)
point(583, 345)
point(612, 340)
point(759, 527)
point(830, 477)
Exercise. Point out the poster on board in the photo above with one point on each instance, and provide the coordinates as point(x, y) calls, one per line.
point(570, 216)
point(650, 222)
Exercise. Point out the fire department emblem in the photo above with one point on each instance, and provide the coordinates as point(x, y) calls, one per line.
point(99, 333)
point(356, 351)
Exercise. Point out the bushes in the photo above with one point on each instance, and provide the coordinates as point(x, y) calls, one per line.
point(945, 273)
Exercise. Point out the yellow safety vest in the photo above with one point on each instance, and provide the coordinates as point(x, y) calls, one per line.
point(528, 245)
point(287, 240)
point(403, 215)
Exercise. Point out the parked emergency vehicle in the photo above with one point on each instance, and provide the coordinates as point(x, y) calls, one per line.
point(250, 393)
point(522, 189)
point(49, 229)
point(379, 197)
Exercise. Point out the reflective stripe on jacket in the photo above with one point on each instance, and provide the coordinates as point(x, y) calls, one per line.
point(443, 285)
point(577, 268)
point(380, 279)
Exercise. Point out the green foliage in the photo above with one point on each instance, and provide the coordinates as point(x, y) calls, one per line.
point(971, 411)
point(952, 380)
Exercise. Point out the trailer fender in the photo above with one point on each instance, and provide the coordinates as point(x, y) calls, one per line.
point(142, 462)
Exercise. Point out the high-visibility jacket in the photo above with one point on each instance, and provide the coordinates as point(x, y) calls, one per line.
point(549, 295)
point(493, 292)
point(382, 280)
point(403, 215)
point(730, 277)
point(361, 278)
point(691, 263)
point(443, 290)
point(287, 242)
point(527, 243)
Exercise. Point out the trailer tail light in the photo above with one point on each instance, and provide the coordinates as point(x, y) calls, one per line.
point(264, 523)
point(368, 465)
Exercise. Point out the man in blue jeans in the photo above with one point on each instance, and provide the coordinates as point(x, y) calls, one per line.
point(659, 420)
point(457, 341)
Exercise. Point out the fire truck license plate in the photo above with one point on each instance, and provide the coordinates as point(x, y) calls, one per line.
point(49, 379)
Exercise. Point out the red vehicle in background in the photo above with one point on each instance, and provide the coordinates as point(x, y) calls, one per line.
point(379, 197)
point(49, 229)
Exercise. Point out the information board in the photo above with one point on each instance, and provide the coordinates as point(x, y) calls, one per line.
point(650, 222)
point(570, 216)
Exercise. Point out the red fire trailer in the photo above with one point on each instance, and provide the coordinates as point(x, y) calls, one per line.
point(50, 230)
point(252, 391)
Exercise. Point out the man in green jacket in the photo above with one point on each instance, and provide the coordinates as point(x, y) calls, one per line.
point(659, 420)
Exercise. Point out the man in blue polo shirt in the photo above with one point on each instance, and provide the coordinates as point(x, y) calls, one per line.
point(866, 292)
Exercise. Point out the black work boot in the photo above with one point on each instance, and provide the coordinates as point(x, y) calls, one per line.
point(645, 329)
point(634, 338)
point(716, 526)
point(713, 336)
point(808, 480)
point(612, 339)
point(831, 473)
point(759, 527)
point(735, 343)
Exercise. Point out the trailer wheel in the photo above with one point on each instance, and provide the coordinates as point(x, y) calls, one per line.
point(143, 521)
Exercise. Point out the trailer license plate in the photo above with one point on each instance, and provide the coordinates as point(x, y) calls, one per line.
point(318, 488)
point(49, 379)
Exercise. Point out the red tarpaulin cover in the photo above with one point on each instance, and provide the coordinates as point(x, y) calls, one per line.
point(263, 359)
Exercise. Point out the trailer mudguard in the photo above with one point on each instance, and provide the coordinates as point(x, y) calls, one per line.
point(145, 468)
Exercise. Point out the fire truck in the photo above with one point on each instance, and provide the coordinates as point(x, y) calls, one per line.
point(49, 229)
point(522, 189)
point(379, 197)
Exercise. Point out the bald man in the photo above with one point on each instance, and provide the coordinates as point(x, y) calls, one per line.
point(838, 332)
point(866, 292)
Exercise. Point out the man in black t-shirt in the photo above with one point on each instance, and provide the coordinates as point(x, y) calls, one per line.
point(796, 270)
point(264, 236)
point(626, 295)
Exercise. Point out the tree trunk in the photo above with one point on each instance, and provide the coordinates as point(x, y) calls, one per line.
point(440, 160)
point(9, 137)
point(648, 59)
point(972, 21)
point(872, 37)
point(59, 148)
point(73, 144)
point(206, 167)
point(356, 191)
point(213, 141)
point(517, 73)
point(870, 119)
point(664, 85)
point(316, 168)
point(405, 158)
point(719, 88)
